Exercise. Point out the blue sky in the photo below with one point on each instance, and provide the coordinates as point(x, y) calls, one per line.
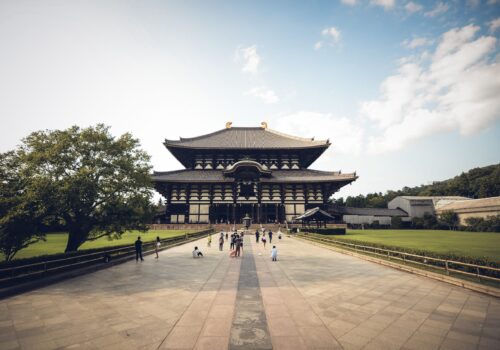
point(406, 91)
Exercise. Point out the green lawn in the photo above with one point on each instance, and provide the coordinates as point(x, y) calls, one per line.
point(56, 242)
point(472, 244)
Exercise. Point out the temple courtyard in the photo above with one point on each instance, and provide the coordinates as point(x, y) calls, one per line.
point(311, 298)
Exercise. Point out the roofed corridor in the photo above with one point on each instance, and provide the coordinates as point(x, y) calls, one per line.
point(312, 298)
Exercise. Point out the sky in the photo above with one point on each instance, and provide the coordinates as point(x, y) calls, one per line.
point(407, 92)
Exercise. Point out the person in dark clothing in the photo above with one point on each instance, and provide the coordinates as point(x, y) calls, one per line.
point(233, 239)
point(270, 236)
point(257, 235)
point(138, 249)
point(237, 243)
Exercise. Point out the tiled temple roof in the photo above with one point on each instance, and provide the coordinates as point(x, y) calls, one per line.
point(279, 176)
point(247, 138)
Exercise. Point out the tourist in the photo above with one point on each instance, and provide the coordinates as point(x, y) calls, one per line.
point(237, 243)
point(264, 240)
point(227, 236)
point(270, 236)
point(257, 234)
point(197, 253)
point(138, 249)
point(221, 243)
point(279, 234)
point(209, 240)
point(233, 238)
point(157, 246)
point(274, 253)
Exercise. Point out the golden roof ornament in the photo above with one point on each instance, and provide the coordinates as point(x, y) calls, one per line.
point(263, 125)
point(228, 125)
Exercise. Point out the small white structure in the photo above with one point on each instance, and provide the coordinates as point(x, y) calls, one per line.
point(418, 206)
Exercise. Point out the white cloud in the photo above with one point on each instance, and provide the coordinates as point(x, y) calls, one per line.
point(438, 10)
point(473, 3)
point(331, 36)
point(416, 42)
point(386, 4)
point(413, 7)
point(264, 93)
point(349, 2)
point(493, 2)
point(495, 24)
point(345, 135)
point(456, 88)
point(249, 58)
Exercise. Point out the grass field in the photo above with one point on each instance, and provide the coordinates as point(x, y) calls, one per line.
point(56, 242)
point(471, 244)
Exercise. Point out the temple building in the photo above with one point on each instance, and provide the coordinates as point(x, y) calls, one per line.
point(240, 171)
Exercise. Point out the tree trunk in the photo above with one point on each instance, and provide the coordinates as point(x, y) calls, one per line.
point(75, 240)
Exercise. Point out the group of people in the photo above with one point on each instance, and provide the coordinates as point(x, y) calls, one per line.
point(138, 248)
point(235, 242)
point(235, 247)
point(264, 239)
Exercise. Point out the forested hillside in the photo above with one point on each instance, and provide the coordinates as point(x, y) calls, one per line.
point(476, 183)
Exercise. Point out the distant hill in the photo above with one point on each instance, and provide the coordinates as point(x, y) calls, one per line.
point(475, 183)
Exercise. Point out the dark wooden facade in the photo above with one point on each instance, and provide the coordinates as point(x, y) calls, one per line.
point(239, 171)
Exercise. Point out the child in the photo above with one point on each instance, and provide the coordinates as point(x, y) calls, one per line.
point(157, 246)
point(274, 253)
point(209, 240)
point(197, 253)
point(264, 240)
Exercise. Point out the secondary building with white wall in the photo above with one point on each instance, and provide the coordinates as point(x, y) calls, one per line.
point(477, 208)
point(418, 206)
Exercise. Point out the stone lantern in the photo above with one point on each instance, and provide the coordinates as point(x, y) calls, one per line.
point(247, 221)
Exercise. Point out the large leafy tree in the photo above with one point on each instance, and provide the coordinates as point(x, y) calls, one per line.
point(21, 214)
point(92, 183)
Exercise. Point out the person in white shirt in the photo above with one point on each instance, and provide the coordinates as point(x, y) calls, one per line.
point(197, 253)
point(274, 253)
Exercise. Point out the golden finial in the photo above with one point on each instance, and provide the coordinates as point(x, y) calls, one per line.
point(228, 125)
point(263, 125)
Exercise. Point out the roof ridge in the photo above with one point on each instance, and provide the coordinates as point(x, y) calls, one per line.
point(196, 137)
point(298, 138)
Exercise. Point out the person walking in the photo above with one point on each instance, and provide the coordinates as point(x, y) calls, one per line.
point(227, 236)
point(233, 238)
point(264, 241)
point(221, 243)
point(209, 240)
point(257, 235)
point(138, 249)
point(237, 243)
point(270, 236)
point(157, 246)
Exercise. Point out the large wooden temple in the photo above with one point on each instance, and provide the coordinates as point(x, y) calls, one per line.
point(240, 171)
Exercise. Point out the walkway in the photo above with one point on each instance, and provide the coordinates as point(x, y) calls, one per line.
point(312, 298)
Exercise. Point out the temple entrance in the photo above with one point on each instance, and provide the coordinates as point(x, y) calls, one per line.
point(234, 213)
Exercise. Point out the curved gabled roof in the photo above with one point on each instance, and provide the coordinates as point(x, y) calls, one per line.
point(277, 176)
point(247, 138)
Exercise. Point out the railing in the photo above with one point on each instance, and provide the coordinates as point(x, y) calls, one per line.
point(17, 274)
point(448, 266)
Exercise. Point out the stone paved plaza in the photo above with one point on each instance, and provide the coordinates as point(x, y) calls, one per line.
point(312, 298)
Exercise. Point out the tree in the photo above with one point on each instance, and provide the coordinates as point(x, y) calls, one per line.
point(92, 183)
point(449, 218)
point(20, 213)
point(396, 222)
